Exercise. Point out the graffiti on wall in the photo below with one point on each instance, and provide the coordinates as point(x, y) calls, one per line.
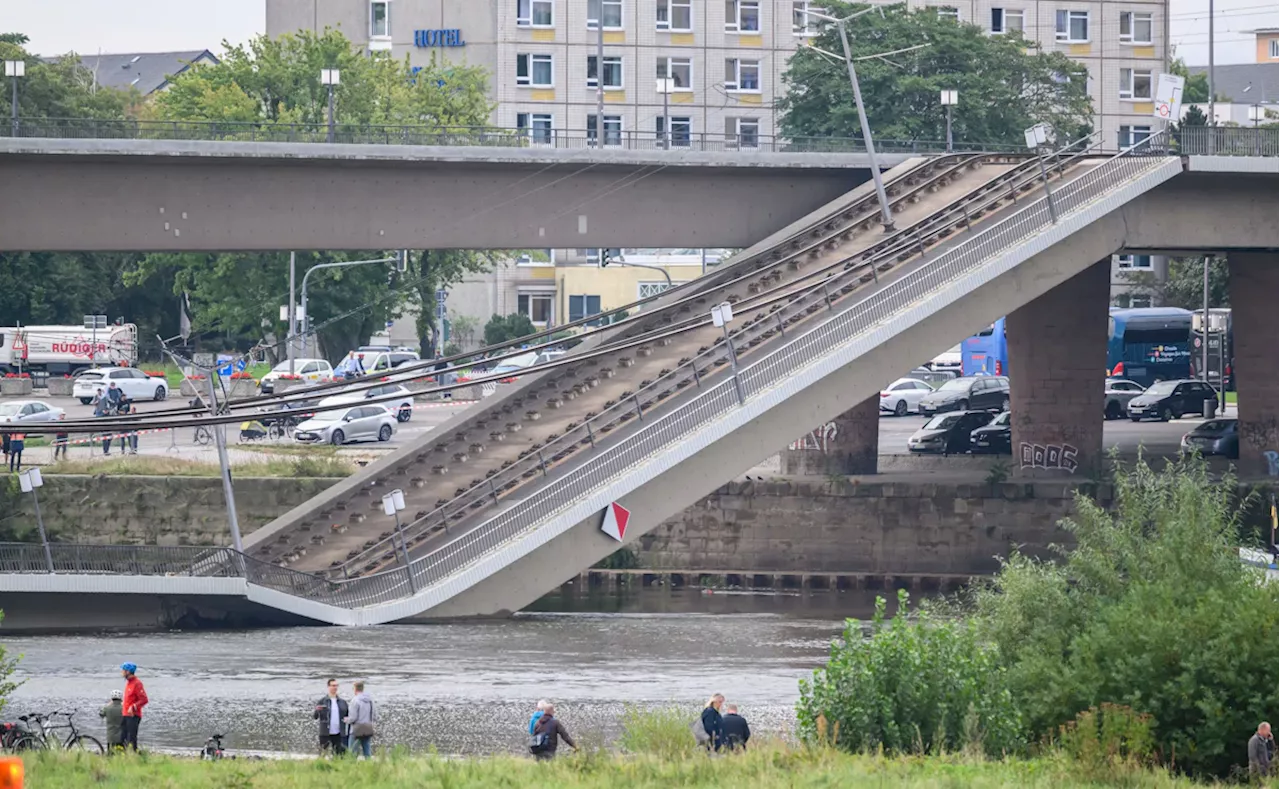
point(819, 440)
point(1052, 456)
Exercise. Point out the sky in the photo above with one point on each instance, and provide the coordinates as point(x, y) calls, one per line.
point(91, 26)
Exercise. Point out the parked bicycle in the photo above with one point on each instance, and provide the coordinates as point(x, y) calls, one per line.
point(203, 436)
point(44, 732)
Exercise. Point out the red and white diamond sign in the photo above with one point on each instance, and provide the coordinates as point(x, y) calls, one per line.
point(616, 517)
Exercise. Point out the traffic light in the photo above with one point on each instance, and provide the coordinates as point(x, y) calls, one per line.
point(608, 256)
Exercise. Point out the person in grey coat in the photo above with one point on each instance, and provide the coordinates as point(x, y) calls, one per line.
point(362, 716)
point(1259, 755)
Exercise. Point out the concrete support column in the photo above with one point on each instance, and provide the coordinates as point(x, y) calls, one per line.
point(1057, 366)
point(1255, 280)
point(847, 445)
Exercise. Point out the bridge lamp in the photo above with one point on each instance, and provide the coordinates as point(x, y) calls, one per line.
point(15, 70)
point(721, 317)
point(29, 481)
point(950, 98)
point(329, 77)
point(393, 505)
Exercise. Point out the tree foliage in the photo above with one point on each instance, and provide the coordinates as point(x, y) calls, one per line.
point(503, 328)
point(1195, 89)
point(435, 269)
point(1183, 286)
point(60, 88)
point(1005, 85)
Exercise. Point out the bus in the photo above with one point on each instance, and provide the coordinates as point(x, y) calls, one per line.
point(1147, 344)
point(986, 353)
point(1221, 347)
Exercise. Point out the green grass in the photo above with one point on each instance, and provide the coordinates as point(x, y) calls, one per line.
point(1231, 398)
point(156, 466)
point(174, 375)
point(770, 767)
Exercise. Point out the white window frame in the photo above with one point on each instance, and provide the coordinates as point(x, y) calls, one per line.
point(601, 7)
point(1132, 135)
point(665, 63)
point(948, 11)
point(527, 122)
point(670, 7)
point(734, 25)
point(735, 137)
point(386, 36)
point(527, 12)
point(608, 61)
point(660, 127)
point(550, 296)
point(803, 25)
point(1129, 80)
point(1134, 262)
point(1062, 20)
point(1130, 19)
point(1005, 15)
point(1273, 48)
point(735, 85)
point(608, 119)
point(529, 78)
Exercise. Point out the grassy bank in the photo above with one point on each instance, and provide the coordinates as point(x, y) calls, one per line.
point(773, 767)
point(156, 466)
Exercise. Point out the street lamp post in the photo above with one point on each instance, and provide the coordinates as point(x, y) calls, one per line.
point(330, 78)
point(664, 87)
point(393, 504)
point(306, 314)
point(14, 70)
point(949, 99)
point(29, 481)
point(722, 316)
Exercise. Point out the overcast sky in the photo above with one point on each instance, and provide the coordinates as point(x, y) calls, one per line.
point(90, 26)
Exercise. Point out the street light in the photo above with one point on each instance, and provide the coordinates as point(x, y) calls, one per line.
point(15, 70)
point(393, 504)
point(28, 481)
point(305, 317)
point(722, 316)
point(330, 78)
point(949, 99)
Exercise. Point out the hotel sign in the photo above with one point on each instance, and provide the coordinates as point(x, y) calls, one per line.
point(438, 38)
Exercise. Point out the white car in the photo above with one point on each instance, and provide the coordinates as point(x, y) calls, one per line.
point(130, 381)
point(402, 407)
point(309, 370)
point(903, 396)
point(344, 425)
point(28, 411)
point(950, 359)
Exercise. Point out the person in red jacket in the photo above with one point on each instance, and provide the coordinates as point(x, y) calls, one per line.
point(135, 698)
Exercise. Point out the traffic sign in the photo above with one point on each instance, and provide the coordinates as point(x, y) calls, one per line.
point(1168, 104)
point(616, 518)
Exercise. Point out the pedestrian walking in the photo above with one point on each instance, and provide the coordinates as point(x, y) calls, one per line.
point(113, 716)
point(101, 406)
point(713, 723)
point(129, 438)
point(331, 712)
point(735, 728)
point(547, 734)
point(5, 439)
point(1259, 753)
point(60, 441)
point(537, 713)
point(16, 444)
point(362, 716)
point(135, 698)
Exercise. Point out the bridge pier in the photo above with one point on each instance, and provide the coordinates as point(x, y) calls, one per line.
point(1057, 363)
point(1254, 279)
point(847, 445)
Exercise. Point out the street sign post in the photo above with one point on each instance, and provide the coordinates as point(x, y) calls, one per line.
point(1168, 104)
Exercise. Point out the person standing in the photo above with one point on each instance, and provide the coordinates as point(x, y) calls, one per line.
point(735, 728)
point(5, 439)
point(113, 716)
point(537, 713)
point(547, 734)
point(1259, 753)
point(361, 718)
point(114, 393)
point(16, 444)
point(331, 711)
point(135, 698)
point(60, 441)
point(713, 723)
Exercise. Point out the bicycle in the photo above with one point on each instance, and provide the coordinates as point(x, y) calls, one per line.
point(203, 436)
point(212, 750)
point(45, 734)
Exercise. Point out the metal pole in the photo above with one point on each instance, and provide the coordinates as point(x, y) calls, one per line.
point(600, 74)
point(1204, 327)
point(220, 439)
point(704, 260)
point(290, 339)
point(306, 319)
point(331, 113)
point(948, 128)
point(733, 363)
point(1048, 193)
point(44, 538)
point(14, 107)
point(1213, 133)
point(886, 216)
point(666, 113)
point(404, 553)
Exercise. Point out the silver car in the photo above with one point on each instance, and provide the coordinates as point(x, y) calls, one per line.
point(28, 411)
point(344, 425)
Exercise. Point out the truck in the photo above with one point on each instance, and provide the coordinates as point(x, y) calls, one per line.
point(66, 350)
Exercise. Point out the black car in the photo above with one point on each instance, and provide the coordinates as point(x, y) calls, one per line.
point(1165, 400)
point(995, 437)
point(977, 392)
point(1215, 437)
point(948, 434)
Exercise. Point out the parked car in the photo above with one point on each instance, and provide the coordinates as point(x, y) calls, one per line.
point(948, 434)
point(132, 382)
point(28, 411)
point(949, 359)
point(903, 396)
point(1119, 392)
point(309, 370)
point(344, 425)
point(369, 360)
point(513, 366)
point(1215, 437)
point(994, 438)
point(402, 407)
point(1165, 400)
point(934, 378)
point(979, 392)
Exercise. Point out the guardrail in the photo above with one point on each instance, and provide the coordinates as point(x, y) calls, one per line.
point(207, 561)
point(1223, 141)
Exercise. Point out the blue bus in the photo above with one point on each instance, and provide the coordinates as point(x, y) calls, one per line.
point(1149, 344)
point(986, 352)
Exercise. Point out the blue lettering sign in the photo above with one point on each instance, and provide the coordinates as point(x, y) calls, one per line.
point(438, 38)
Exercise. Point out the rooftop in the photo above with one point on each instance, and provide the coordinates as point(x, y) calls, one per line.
point(1245, 83)
point(145, 71)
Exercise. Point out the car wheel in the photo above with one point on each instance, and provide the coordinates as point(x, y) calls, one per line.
point(901, 409)
point(86, 400)
point(1135, 419)
point(1113, 410)
point(1165, 414)
point(405, 414)
point(161, 393)
point(337, 438)
point(385, 433)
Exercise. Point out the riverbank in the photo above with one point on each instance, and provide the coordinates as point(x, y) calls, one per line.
point(770, 767)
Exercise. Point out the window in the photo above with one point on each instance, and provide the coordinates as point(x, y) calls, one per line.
point(612, 130)
point(535, 13)
point(612, 14)
point(1133, 135)
point(1072, 26)
point(742, 16)
point(675, 15)
point(948, 12)
point(802, 24)
point(742, 75)
point(1135, 84)
point(612, 71)
point(1139, 262)
point(681, 130)
point(645, 290)
point(1135, 28)
point(742, 132)
point(536, 306)
point(533, 70)
point(583, 307)
point(1273, 48)
point(1007, 20)
point(1139, 300)
point(536, 126)
point(380, 19)
point(680, 71)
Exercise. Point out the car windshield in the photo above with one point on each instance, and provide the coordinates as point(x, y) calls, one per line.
point(942, 422)
point(956, 385)
point(9, 409)
point(1162, 388)
point(1212, 426)
point(1002, 419)
point(328, 416)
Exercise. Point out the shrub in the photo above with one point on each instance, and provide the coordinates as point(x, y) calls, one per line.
point(915, 685)
point(662, 732)
point(1109, 736)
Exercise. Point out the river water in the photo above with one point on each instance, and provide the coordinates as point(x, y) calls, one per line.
point(462, 688)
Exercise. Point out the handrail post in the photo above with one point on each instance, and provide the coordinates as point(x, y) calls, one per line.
point(639, 410)
point(542, 463)
point(826, 295)
point(781, 326)
point(590, 434)
point(1053, 212)
point(493, 491)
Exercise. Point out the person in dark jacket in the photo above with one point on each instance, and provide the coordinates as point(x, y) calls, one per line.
point(1259, 754)
point(331, 712)
point(113, 717)
point(17, 443)
point(61, 441)
point(549, 725)
point(736, 730)
point(713, 723)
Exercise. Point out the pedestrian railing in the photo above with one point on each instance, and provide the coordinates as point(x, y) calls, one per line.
point(208, 561)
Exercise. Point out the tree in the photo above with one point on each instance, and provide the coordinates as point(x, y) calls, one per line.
point(60, 88)
point(1195, 89)
point(464, 329)
point(1183, 286)
point(433, 270)
point(502, 329)
point(1194, 116)
point(1003, 88)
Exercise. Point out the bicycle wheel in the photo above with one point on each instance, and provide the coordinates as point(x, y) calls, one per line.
point(84, 742)
point(27, 742)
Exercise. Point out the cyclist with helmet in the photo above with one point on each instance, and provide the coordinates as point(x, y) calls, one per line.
point(135, 698)
point(113, 716)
